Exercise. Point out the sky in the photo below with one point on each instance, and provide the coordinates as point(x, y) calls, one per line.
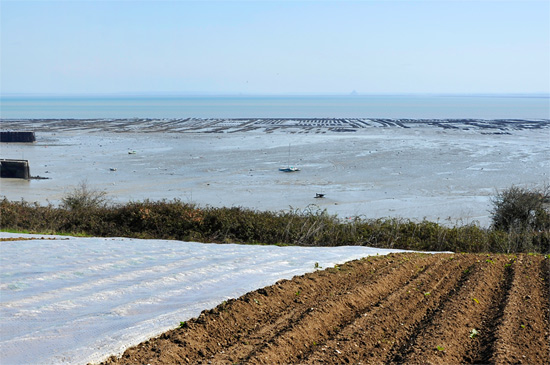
point(274, 47)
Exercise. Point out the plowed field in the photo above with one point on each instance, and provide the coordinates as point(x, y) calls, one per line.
point(400, 308)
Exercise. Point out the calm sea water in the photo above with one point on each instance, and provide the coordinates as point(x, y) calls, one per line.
point(483, 107)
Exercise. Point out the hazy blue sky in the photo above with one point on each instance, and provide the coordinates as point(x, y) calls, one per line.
point(443, 46)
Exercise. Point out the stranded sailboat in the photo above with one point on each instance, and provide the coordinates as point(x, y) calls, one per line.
point(289, 168)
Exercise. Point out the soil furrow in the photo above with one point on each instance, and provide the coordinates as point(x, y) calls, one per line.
point(379, 329)
point(481, 351)
point(327, 319)
point(401, 308)
point(452, 338)
point(525, 316)
point(322, 318)
point(400, 349)
point(234, 329)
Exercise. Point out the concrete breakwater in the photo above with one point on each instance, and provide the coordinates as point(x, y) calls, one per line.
point(18, 169)
point(17, 136)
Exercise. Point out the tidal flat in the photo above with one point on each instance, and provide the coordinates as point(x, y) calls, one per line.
point(441, 170)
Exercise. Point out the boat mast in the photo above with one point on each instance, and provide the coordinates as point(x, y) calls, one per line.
point(288, 160)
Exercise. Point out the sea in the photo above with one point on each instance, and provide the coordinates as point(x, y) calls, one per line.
point(503, 106)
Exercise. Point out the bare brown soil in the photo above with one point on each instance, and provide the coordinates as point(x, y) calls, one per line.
point(400, 308)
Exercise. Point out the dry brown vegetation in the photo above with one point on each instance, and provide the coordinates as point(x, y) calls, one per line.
point(87, 212)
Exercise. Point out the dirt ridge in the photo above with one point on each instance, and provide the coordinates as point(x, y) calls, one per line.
point(399, 308)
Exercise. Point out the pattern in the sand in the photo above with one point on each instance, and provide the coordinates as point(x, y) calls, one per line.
point(268, 125)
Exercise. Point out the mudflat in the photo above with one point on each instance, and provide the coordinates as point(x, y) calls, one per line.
point(442, 170)
point(399, 308)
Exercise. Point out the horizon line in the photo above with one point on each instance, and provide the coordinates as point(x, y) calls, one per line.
point(286, 94)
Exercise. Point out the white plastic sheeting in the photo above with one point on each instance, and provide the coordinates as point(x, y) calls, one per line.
point(79, 300)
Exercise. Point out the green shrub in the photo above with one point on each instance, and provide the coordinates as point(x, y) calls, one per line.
point(84, 212)
point(518, 209)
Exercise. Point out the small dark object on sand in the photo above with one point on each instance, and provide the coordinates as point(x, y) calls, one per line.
point(317, 195)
